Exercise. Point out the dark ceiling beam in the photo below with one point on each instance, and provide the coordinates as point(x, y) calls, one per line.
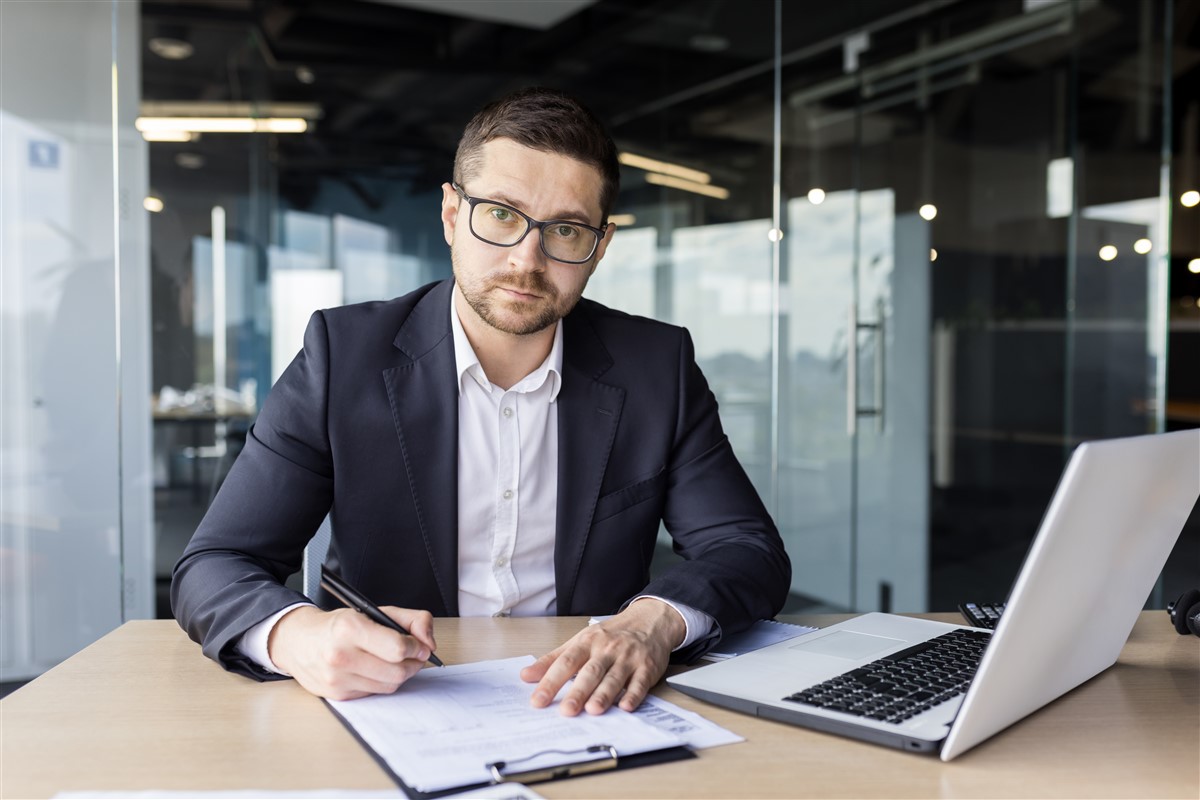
point(227, 14)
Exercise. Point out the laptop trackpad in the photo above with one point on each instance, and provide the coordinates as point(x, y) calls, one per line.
point(847, 644)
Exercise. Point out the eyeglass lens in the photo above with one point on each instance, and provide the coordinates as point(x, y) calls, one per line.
point(501, 225)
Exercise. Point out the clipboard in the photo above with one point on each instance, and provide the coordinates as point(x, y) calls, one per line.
point(594, 759)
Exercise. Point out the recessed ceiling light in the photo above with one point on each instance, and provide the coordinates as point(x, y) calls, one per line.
point(189, 160)
point(171, 49)
point(709, 43)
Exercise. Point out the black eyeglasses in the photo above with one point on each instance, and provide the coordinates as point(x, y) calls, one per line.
point(505, 226)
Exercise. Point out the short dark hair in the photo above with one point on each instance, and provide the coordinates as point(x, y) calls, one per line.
point(547, 120)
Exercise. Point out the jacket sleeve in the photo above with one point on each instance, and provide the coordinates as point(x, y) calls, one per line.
point(735, 569)
point(231, 575)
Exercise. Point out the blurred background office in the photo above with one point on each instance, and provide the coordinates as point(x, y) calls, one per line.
point(925, 247)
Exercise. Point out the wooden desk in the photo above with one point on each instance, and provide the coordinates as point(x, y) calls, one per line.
point(143, 709)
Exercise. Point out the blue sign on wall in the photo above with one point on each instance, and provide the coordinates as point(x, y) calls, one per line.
point(43, 154)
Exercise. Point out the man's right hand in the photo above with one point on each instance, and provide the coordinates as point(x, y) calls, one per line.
point(343, 655)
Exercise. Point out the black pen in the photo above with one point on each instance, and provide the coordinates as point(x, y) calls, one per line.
point(332, 583)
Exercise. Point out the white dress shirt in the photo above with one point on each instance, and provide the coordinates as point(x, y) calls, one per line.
point(507, 497)
point(507, 485)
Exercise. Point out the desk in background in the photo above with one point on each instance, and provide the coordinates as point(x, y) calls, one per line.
point(143, 709)
point(195, 421)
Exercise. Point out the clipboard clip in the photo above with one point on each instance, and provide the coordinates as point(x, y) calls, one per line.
point(502, 771)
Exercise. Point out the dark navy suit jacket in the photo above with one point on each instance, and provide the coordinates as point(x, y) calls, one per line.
point(363, 426)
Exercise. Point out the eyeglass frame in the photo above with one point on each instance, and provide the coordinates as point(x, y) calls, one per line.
point(530, 224)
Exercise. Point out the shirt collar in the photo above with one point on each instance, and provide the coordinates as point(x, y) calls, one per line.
point(467, 363)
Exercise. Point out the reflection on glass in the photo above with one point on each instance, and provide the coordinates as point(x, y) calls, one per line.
point(295, 295)
point(625, 277)
point(74, 455)
point(723, 294)
point(815, 454)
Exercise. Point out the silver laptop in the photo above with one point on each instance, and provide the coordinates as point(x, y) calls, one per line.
point(930, 687)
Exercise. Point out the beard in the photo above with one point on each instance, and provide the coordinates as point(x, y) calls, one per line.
point(515, 317)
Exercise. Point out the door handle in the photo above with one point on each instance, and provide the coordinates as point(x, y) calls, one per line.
point(853, 409)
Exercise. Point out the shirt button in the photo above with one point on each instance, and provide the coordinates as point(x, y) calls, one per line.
point(508, 412)
point(508, 494)
point(501, 561)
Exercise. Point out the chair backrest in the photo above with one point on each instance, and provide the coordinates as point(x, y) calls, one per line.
point(314, 557)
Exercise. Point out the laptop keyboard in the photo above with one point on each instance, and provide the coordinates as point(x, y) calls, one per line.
point(903, 684)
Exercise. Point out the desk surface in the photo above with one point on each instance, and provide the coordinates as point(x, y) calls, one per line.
point(143, 709)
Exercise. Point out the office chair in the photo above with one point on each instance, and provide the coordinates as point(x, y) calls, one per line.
point(314, 557)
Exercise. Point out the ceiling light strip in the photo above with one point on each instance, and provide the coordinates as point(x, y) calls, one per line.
point(707, 189)
point(222, 124)
point(168, 136)
point(665, 167)
point(204, 108)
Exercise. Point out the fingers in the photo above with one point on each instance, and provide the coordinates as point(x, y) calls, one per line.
point(342, 654)
point(638, 686)
point(560, 666)
point(385, 643)
point(598, 686)
point(608, 665)
point(416, 622)
point(624, 681)
point(359, 671)
point(537, 670)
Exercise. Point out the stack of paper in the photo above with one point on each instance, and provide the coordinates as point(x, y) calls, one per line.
point(445, 727)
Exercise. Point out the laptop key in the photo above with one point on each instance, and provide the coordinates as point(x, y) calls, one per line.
point(909, 651)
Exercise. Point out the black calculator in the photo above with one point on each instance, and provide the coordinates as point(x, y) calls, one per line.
point(982, 615)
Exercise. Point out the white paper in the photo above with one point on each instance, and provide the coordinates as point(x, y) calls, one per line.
point(761, 634)
point(694, 730)
point(445, 725)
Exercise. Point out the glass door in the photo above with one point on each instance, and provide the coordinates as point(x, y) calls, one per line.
point(853, 468)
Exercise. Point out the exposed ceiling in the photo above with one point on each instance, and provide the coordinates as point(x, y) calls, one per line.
point(396, 79)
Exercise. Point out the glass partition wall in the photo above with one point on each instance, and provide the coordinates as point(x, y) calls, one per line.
point(75, 518)
point(211, 220)
point(963, 279)
point(920, 248)
point(975, 278)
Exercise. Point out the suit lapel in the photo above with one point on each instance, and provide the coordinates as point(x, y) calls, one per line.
point(588, 414)
point(424, 401)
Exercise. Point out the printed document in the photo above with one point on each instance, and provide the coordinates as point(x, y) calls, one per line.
point(444, 726)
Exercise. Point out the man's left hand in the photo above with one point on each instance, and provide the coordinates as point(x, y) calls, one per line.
point(618, 659)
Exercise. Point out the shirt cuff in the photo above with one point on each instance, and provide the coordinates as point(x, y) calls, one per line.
point(253, 644)
point(697, 623)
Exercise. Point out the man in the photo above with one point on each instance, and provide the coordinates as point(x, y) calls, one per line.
point(490, 445)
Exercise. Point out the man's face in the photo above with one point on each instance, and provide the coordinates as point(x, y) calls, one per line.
point(520, 290)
